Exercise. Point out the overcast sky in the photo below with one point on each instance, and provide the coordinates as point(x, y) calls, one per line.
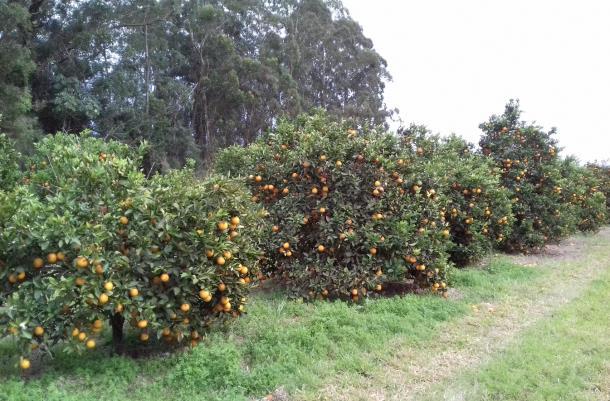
point(454, 63)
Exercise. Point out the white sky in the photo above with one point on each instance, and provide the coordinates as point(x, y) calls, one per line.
point(454, 63)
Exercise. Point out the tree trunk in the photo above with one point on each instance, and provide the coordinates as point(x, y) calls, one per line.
point(117, 320)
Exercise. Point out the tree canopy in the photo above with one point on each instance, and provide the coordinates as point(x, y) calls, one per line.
point(188, 76)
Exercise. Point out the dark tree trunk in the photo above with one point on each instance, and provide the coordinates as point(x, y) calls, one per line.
point(117, 320)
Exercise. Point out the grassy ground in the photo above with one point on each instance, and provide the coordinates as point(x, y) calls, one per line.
point(309, 350)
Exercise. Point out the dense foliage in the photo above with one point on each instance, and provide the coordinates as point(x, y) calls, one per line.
point(583, 196)
point(476, 207)
point(88, 240)
point(187, 76)
point(601, 171)
point(348, 213)
point(529, 161)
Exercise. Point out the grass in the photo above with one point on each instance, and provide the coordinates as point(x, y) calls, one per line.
point(566, 357)
point(279, 344)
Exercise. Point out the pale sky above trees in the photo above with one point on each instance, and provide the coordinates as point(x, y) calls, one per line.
point(456, 62)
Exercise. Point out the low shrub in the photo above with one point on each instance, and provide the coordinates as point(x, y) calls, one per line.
point(528, 158)
point(348, 214)
point(582, 193)
point(89, 242)
point(477, 209)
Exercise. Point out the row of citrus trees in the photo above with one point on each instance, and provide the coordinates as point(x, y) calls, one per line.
point(88, 240)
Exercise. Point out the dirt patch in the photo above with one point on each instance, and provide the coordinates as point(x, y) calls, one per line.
point(567, 250)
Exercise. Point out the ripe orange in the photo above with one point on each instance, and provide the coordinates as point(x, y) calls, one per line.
point(21, 276)
point(165, 277)
point(209, 253)
point(80, 281)
point(235, 221)
point(24, 364)
point(338, 163)
point(322, 158)
point(203, 294)
point(90, 344)
point(321, 248)
point(123, 220)
point(61, 256)
point(185, 308)
point(134, 292)
point(38, 331)
point(275, 229)
point(222, 287)
point(354, 292)
point(98, 324)
point(108, 286)
point(258, 178)
point(82, 336)
point(220, 261)
point(99, 269)
point(243, 270)
point(103, 299)
point(51, 258)
point(119, 308)
point(38, 263)
point(75, 332)
point(227, 255)
point(82, 262)
point(144, 337)
point(223, 225)
point(373, 251)
point(314, 190)
point(286, 245)
point(142, 324)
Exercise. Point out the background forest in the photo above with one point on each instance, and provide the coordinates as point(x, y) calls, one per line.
point(186, 76)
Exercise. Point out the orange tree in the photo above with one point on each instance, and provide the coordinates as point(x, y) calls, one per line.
point(602, 172)
point(528, 159)
point(582, 192)
point(477, 209)
point(89, 241)
point(347, 214)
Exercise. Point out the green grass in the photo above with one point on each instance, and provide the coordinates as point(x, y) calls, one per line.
point(565, 357)
point(279, 343)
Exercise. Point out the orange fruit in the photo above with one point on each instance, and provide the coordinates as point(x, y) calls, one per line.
point(203, 294)
point(90, 344)
point(38, 331)
point(52, 258)
point(24, 364)
point(82, 262)
point(108, 286)
point(321, 248)
point(119, 308)
point(209, 253)
point(223, 225)
point(354, 292)
point(38, 263)
point(75, 332)
point(373, 251)
point(235, 221)
point(165, 277)
point(286, 245)
point(98, 324)
point(185, 308)
point(144, 337)
point(123, 220)
point(82, 336)
point(103, 299)
point(142, 324)
point(134, 292)
point(220, 261)
point(222, 287)
point(61, 256)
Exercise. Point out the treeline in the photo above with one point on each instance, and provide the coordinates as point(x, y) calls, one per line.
point(186, 76)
